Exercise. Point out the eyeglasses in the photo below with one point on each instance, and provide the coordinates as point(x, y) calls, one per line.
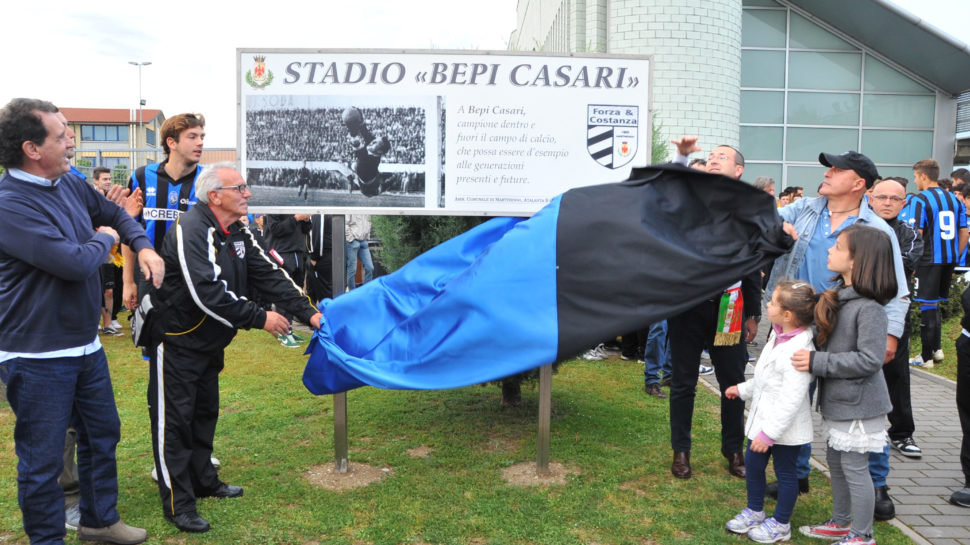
point(241, 188)
point(891, 198)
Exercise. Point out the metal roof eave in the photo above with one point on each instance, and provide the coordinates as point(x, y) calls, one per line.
point(900, 36)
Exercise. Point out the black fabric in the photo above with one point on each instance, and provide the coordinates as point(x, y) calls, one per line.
point(638, 252)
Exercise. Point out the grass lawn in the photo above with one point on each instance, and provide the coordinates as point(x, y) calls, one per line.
point(272, 432)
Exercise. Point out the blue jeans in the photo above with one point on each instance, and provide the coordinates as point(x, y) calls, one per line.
point(879, 466)
point(355, 249)
point(784, 457)
point(46, 396)
point(656, 354)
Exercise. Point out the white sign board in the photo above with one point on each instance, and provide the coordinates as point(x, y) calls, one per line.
point(436, 132)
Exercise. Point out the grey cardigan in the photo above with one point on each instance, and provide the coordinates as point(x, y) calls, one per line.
point(850, 385)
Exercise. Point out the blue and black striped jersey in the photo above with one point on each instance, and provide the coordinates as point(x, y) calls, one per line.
point(941, 216)
point(164, 198)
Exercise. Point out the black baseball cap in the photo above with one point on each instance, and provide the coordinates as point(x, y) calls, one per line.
point(852, 160)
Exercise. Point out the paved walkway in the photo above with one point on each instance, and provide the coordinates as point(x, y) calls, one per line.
point(920, 488)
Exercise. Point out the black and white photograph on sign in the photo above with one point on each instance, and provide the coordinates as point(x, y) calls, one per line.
point(338, 151)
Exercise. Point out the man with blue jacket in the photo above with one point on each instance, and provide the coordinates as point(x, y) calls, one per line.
point(51, 358)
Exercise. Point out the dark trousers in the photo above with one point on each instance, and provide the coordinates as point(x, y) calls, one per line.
point(48, 395)
point(689, 334)
point(319, 279)
point(632, 344)
point(963, 403)
point(295, 265)
point(755, 463)
point(183, 416)
point(896, 372)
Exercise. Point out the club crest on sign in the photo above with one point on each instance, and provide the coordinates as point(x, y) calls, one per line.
point(259, 76)
point(611, 133)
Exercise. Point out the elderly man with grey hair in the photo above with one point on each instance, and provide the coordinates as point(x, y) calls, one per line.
point(765, 183)
point(213, 263)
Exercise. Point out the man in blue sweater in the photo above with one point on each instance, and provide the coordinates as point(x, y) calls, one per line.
point(51, 358)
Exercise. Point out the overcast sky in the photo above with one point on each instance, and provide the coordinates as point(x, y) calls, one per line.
point(76, 54)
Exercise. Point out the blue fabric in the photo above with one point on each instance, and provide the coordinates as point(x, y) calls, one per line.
point(755, 463)
point(432, 324)
point(47, 395)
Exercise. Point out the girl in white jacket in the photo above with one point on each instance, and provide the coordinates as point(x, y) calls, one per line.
point(779, 414)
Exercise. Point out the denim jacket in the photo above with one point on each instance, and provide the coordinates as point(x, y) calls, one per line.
point(804, 215)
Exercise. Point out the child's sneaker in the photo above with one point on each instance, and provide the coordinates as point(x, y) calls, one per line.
point(827, 530)
point(857, 540)
point(770, 531)
point(744, 521)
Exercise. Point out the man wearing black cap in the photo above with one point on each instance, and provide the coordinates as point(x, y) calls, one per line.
point(815, 224)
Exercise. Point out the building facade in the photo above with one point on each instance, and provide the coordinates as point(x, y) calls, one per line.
point(775, 77)
point(115, 138)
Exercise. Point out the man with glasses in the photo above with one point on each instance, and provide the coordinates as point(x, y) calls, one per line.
point(213, 264)
point(703, 327)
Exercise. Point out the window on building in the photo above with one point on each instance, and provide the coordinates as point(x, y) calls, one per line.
point(149, 136)
point(104, 133)
point(806, 88)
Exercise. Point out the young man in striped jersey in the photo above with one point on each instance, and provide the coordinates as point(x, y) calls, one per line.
point(941, 220)
point(168, 187)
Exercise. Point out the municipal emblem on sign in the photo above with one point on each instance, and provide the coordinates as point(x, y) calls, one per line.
point(259, 76)
point(240, 248)
point(611, 133)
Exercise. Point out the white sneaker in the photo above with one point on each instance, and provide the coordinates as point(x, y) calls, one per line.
point(907, 447)
point(770, 531)
point(705, 370)
point(937, 356)
point(918, 362)
point(288, 341)
point(215, 462)
point(154, 474)
point(745, 521)
point(115, 324)
point(594, 354)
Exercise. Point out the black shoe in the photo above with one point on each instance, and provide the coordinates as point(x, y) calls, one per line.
point(189, 522)
point(884, 509)
point(772, 489)
point(665, 382)
point(654, 390)
point(223, 491)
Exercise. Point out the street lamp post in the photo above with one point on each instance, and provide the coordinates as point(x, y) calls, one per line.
point(141, 101)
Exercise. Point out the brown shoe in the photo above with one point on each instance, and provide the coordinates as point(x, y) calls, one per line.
point(736, 464)
point(665, 382)
point(654, 390)
point(681, 466)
